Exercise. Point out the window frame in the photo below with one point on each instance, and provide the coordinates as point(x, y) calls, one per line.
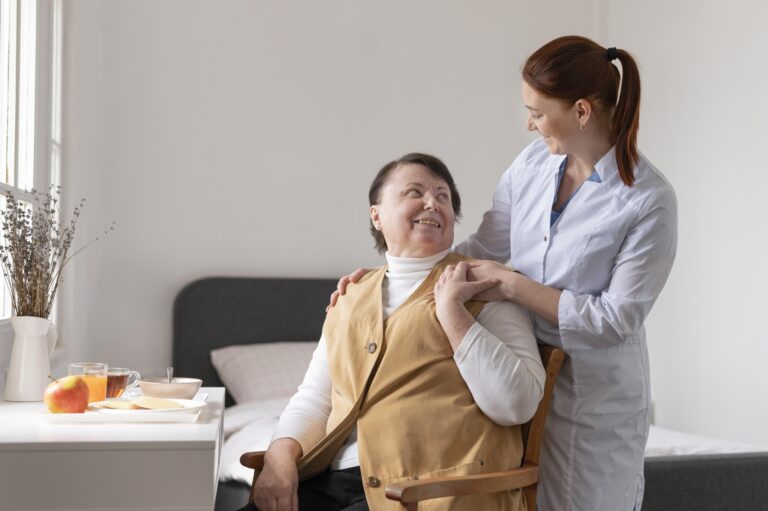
point(47, 118)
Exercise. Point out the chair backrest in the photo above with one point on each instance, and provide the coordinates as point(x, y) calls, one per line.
point(533, 431)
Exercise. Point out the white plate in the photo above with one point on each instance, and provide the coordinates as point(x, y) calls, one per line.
point(189, 412)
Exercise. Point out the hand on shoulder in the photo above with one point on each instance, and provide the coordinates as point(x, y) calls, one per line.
point(341, 287)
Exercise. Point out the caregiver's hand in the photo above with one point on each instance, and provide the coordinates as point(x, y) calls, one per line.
point(277, 486)
point(516, 288)
point(452, 291)
point(482, 270)
point(341, 287)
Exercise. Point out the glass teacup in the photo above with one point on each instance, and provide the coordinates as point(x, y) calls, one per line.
point(119, 379)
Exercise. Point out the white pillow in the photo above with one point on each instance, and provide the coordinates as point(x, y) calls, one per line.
point(253, 372)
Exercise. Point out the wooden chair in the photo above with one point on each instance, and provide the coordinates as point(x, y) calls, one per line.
point(410, 493)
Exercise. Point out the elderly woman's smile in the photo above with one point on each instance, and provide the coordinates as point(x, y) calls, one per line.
point(414, 212)
point(427, 221)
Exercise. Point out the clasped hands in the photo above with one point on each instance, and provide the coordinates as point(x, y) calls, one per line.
point(458, 284)
point(480, 280)
point(477, 272)
point(452, 291)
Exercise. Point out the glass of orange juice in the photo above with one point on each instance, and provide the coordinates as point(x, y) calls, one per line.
point(95, 376)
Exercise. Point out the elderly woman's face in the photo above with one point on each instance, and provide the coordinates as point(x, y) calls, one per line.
point(414, 212)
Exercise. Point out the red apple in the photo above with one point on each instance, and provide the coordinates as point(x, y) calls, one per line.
point(67, 395)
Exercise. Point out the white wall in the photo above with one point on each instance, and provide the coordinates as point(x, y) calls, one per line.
point(239, 138)
point(704, 123)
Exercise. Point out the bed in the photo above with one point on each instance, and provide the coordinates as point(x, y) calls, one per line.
point(259, 333)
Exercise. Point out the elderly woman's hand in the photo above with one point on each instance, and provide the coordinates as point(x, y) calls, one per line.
point(452, 291)
point(341, 287)
point(277, 486)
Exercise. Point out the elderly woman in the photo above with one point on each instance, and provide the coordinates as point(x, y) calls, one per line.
point(411, 379)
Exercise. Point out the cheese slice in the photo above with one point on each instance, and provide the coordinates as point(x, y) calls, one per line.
point(154, 403)
point(115, 404)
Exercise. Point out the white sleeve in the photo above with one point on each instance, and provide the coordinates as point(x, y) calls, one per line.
point(500, 363)
point(640, 271)
point(491, 241)
point(306, 416)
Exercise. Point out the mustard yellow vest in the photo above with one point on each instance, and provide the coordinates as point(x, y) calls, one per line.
point(397, 381)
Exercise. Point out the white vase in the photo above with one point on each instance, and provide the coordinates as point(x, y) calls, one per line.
point(33, 343)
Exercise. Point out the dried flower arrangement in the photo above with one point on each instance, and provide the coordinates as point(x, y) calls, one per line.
point(34, 250)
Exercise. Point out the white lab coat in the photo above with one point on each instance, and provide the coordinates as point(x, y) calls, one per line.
point(610, 252)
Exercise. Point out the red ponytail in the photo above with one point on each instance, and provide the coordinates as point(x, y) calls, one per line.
point(572, 68)
point(625, 122)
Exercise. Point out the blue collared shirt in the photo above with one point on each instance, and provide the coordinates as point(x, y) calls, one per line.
point(595, 177)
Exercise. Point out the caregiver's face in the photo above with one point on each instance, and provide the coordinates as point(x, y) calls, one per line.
point(414, 212)
point(553, 119)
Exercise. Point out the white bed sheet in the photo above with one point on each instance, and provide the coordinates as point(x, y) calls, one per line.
point(248, 427)
point(668, 442)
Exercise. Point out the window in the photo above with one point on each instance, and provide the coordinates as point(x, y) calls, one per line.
point(30, 101)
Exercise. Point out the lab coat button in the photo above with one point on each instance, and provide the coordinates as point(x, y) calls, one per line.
point(372, 347)
point(545, 238)
point(374, 482)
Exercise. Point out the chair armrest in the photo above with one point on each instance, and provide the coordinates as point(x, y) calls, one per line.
point(415, 491)
point(254, 460)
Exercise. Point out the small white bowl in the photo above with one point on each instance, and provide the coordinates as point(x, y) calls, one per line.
point(179, 388)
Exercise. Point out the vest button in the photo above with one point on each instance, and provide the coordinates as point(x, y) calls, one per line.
point(372, 347)
point(374, 482)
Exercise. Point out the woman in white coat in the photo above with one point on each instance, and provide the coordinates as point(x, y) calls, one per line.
point(590, 227)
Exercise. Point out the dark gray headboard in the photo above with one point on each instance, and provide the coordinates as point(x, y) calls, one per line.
point(221, 311)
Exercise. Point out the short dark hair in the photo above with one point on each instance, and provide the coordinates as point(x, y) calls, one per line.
point(433, 164)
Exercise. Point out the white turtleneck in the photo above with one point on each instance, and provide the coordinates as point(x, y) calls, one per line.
point(498, 359)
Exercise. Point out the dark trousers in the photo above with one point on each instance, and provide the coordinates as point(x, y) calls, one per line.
point(337, 490)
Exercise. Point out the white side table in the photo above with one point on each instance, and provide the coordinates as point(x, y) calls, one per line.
point(126, 467)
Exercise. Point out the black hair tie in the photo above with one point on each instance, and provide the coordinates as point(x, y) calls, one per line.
point(612, 54)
